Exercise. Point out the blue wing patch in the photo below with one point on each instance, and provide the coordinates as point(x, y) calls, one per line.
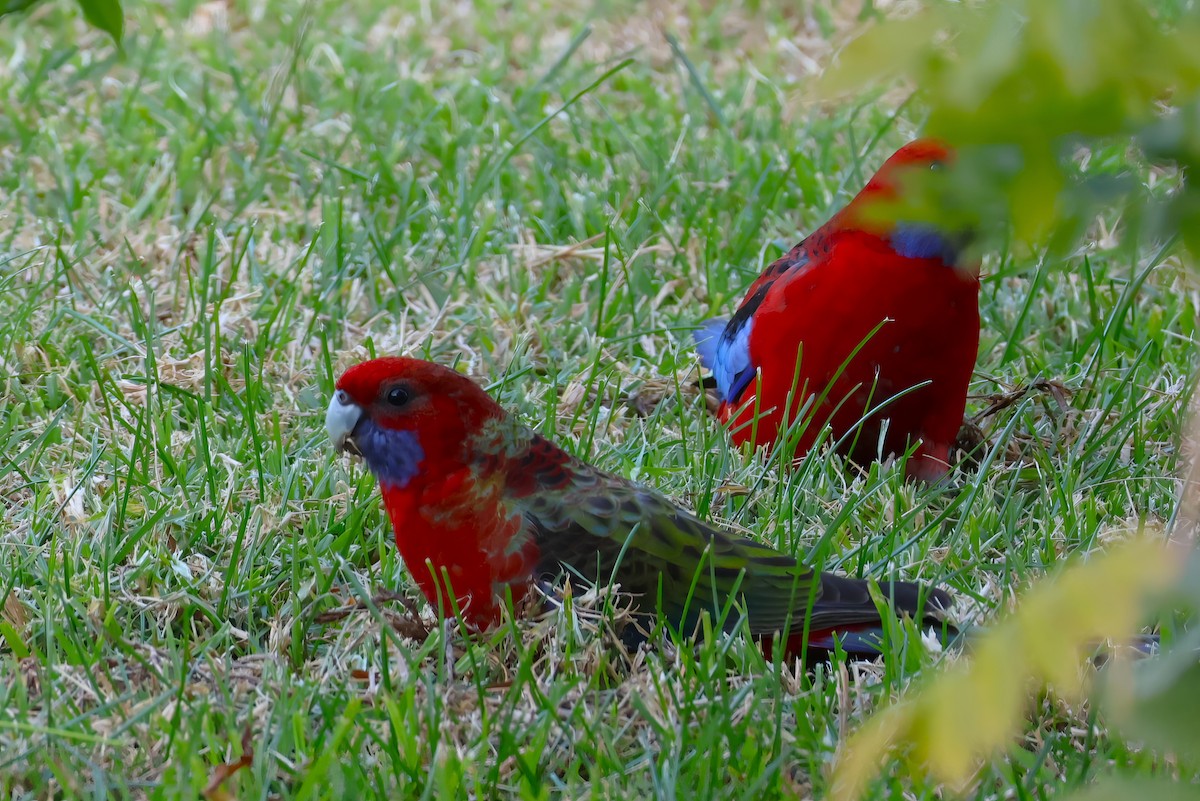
point(724, 348)
point(707, 337)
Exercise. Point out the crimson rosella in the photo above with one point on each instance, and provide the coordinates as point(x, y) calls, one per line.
point(869, 320)
point(482, 507)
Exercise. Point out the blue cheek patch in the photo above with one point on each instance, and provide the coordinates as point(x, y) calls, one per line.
point(921, 241)
point(393, 456)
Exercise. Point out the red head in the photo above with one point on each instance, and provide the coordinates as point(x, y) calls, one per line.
point(883, 206)
point(402, 414)
point(917, 155)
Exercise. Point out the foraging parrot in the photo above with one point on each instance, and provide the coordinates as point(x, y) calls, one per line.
point(870, 325)
point(482, 508)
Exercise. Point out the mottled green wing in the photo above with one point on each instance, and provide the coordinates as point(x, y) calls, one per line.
point(607, 529)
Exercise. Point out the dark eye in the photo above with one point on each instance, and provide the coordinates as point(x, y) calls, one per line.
point(397, 396)
point(937, 166)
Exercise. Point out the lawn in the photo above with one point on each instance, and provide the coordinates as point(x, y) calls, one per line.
point(198, 235)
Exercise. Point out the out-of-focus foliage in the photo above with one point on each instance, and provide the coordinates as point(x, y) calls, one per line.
point(1158, 703)
point(1158, 789)
point(103, 14)
point(1027, 89)
point(11, 6)
point(1022, 84)
point(961, 715)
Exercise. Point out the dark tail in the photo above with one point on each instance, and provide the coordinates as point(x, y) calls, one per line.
point(846, 617)
point(863, 639)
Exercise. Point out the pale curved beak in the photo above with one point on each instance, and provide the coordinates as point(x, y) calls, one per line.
point(341, 417)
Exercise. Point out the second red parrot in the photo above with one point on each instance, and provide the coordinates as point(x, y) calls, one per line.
point(869, 325)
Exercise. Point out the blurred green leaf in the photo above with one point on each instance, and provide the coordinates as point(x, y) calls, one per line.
point(1146, 788)
point(959, 716)
point(1040, 78)
point(1158, 702)
point(1166, 707)
point(13, 639)
point(105, 15)
point(13, 6)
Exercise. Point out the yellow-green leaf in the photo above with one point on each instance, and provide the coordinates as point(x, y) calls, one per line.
point(960, 715)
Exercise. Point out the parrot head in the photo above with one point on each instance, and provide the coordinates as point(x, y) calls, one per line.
point(405, 417)
point(918, 155)
point(881, 205)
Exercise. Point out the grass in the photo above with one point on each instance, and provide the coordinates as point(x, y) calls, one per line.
point(198, 236)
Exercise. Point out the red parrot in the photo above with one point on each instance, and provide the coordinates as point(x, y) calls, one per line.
point(482, 507)
point(867, 320)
